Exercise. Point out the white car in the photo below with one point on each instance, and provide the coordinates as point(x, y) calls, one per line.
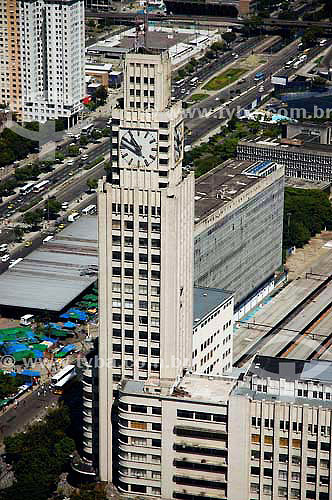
point(261, 88)
point(5, 258)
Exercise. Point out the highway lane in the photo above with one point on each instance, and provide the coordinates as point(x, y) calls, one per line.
point(211, 20)
point(203, 72)
point(196, 117)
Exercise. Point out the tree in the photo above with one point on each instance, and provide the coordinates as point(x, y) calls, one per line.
point(228, 37)
point(216, 46)
point(311, 35)
point(18, 232)
point(73, 150)
point(84, 140)
point(101, 94)
point(33, 218)
point(92, 183)
point(53, 208)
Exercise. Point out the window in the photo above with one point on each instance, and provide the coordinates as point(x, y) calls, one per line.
point(155, 490)
point(156, 426)
point(283, 474)
point(296, 443)
point(129, 304)
point(116, 302)
point(254, 487)
point(254, 471)
point(155, 290)
point(138, 488)
point(295, 493)
point(312, 445)
point(282, 491)
point(156, 443)
point(267, 472)
point(128, 288)
point(296, 460)
point(185, 414)
point(138, 409)
point(268, 440)
point(325, 446)
point(143, 304)
point(255, 438)
point(138, 441)
point(156, 410)
point(324, 480)
point(268, 456)
point(267, 489)
point(255, 455)
point(138, 457)
point(311, 462)
point(311, 478)
point(283, 458)
point(296, 476)
point(138, 425)
point(283, 442)
point(143, 289)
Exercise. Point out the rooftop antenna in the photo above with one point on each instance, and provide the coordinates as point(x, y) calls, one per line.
point(141, 36)
point(146, 23)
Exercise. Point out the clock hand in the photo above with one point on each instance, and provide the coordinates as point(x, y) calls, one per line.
point(135, 143)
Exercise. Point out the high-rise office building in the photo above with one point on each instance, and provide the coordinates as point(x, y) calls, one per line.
point(145, 243)
point(42, 58)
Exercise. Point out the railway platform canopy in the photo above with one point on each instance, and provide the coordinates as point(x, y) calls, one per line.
point(55, 274)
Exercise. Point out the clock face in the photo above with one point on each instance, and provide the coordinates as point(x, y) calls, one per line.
point(138, 148)
point(178, 141)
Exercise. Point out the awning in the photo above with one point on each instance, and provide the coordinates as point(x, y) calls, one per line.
point(30, 373)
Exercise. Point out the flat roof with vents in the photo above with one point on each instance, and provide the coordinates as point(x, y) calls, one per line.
point(221, 185)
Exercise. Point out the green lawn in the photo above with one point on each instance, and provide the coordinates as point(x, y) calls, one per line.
point(224, 78)
point(198, 97)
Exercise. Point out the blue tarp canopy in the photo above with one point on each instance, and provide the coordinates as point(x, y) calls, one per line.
point(48, 339)
point(53, 325)
point(69, 324)
point(68, 348)
point(38, 354)
point(64, 315)
point(30, 373)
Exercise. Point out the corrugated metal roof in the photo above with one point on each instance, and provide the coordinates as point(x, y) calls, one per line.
point(50, 277)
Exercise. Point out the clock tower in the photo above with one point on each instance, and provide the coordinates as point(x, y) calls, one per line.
point(146, 215)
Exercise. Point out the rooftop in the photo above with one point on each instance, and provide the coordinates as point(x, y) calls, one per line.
point(309, 146)
point(221, 185)
point(207, 300)
point(291, 369)
point(215, 389)
point(56, 273)
point(299, 183)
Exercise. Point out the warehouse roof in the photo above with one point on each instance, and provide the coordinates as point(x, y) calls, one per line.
point(56, 273)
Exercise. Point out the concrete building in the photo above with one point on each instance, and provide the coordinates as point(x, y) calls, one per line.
point(213, 331)
point(238, 229)
point(263, 434)
point(309, 132)
point(10, 66)
point(145, 242)
point(307, 160)
point(100, 72)
point(52, 59)
point(280, 418)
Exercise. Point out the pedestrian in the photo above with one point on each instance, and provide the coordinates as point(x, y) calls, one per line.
point(38, 393)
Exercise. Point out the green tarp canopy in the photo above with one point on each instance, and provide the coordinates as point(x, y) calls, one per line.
point(18, 356)
point(40, 347)
point(59, 333)
point(61, 354)
point(3, 402)
point(90, 297)
point(14, 331)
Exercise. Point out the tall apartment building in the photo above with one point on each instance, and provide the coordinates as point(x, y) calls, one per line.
point(145, 243)
point(238, 229)
point(42, 58)
point(52, 59)
point(10, 61)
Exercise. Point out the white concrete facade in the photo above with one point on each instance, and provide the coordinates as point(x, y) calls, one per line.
point(213, 336)
point(145, 243)
point(52, 58)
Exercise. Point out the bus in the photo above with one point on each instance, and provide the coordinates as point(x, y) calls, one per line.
point(59, 380)
point(40, 186)
point(87, 129)
point(179, 82)
point(91, 209)
point(259, 76)
point(27, 188)
point(193, 81)
point(323, 42)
